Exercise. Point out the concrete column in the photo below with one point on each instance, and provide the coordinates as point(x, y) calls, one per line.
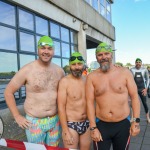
point(82, 41)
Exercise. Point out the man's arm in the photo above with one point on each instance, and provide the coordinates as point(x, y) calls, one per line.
point(62, 101)
point(89, 91)
point(90, 98)
point(132, 89)
point(17, 81)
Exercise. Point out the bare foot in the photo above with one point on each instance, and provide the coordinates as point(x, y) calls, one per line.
point(148, 120)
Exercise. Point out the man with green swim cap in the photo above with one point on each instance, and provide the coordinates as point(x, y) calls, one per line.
point(72, 106)
point(107, 91)
point(40, 78)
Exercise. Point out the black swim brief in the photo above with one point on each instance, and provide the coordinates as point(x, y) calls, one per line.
point(80, 127)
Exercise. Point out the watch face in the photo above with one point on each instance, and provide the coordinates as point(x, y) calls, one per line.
point(137, 120)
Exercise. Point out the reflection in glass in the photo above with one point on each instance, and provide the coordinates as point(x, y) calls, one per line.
point(102, 11)
point(65, 62)
point(108, 16)
point(26, 20)
point(57, 61)
point(41, 26)
point(25, 59)
point(7, 38)
point(27, 42)
point(57, 48)
point(73, 49)
point(108, 6)
point(65, 50)
point(8, 68)
point(64, 34)
point(55, 30)
point(74, 38)
point(102, 2)
point(7, 14)
point(95, 4)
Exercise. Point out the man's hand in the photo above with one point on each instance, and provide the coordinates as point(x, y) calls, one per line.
point(22, 122)
point(67, 137)
point(134, 129)
point(144, 92)
point(96, 135)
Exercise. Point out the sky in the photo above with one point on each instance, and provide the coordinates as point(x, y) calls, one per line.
point(131, 19)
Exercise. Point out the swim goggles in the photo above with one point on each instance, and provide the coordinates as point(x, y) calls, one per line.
point(72, 58)
point(43, 44)
point(107, 47)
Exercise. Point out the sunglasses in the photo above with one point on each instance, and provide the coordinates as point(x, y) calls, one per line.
point(43, 44)
point(72, 58)
point(107, 47)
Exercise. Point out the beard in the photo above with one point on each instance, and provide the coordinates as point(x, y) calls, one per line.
point(76, 73)
point(104, 67)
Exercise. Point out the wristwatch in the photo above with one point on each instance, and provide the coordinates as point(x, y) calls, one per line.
point(93, 128)
point(137, 120)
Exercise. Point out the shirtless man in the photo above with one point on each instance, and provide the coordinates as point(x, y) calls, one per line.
point(41, 79)
point(141, 78)
point(107, 90)
point(72, 106)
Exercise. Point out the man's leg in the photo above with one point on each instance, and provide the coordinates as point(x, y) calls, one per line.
point(121, 139)
point(35, 134)
point(106, 131)
point(53, 135)
point(144, 102)
point(85, 140)
point(75, 136)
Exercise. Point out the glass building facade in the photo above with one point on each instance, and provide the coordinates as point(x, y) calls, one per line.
point(102, 6)
point(20, 30)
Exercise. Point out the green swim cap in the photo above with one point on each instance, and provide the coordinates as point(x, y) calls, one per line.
point(45, 40)
point(103, 47)
point(138, 59)
point(76, 57)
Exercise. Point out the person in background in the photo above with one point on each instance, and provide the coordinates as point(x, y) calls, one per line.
point(40, 78)
point(107, 91)
point(85, 70)
point(72, 106)
point(141, 78)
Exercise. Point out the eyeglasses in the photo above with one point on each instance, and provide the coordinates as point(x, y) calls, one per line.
point(43, 44)
point(107, 47)
point(72, 58)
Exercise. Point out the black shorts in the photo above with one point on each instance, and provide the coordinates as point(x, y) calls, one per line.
point(115, 133)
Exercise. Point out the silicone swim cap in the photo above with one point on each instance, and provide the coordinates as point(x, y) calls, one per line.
point(138, 59)
point(103, 47)
point(76, 57)
point(45, 40)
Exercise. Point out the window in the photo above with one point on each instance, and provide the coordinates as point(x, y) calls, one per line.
point(7, 70)
point(65, 50)
point(64, 34)
point(102, 6)
point(41, 26)
point(26, 20)
point(95, 4)
point(27, 42)
point(7, 14)
point(57, 49)
point(108, 14)
point(7, 38)
point(55, 30)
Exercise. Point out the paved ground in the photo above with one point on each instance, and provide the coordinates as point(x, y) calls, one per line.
point(140, 142)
